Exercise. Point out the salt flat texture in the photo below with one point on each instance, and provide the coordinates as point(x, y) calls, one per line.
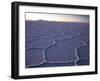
point(40, 43)
point(51, 44)
point(34, 57)
point(57, 54)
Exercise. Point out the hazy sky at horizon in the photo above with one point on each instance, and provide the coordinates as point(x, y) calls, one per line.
point(57, 17)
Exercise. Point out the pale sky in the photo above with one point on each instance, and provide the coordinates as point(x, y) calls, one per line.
point(57, 17)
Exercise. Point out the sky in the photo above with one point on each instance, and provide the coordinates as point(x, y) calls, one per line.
point(57, 17)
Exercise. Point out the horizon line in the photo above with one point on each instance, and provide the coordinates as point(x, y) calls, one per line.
point(56, 21)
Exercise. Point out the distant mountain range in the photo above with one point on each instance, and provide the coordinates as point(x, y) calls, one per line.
point(54, 21)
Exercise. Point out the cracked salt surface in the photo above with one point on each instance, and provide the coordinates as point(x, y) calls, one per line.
point(49, 34)
point(82, 38)
point(28, 39)
point(57, 54)
point(84, 51)
point(70, 43)
point(40, 43)
point(34, 57)
point(61, 37)
point(58, 44)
